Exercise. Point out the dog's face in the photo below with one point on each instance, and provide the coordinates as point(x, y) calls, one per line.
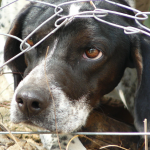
point(66, 75)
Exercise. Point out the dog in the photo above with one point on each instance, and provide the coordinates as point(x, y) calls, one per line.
point(63, 79)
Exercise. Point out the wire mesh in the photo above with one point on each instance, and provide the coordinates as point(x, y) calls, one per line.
point(98, 14)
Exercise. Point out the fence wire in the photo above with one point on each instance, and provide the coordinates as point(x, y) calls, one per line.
point(98, 14)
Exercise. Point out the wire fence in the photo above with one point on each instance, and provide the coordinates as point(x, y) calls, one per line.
point(98, 14)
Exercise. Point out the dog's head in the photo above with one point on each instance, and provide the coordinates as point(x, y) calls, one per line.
point(66, 75)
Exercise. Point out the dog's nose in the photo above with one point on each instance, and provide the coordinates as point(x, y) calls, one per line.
point(31, 102)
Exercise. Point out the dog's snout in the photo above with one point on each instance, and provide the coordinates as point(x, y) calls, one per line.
point(31, 102)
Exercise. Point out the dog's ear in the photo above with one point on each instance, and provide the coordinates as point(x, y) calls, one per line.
point(12, 48)
point(141, 59)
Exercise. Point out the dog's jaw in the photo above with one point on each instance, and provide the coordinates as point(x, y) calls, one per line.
point(70, 114)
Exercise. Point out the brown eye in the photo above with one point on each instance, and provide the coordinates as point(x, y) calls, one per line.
point(30, 42)
point(92, 54)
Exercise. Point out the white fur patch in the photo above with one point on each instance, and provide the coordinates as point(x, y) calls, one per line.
point(74, 9)
point(72, 115)
point(50, 142)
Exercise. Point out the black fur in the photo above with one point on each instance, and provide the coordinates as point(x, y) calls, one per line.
point(76, 75)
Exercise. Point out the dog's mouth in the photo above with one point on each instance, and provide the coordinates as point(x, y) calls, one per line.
point(29, 123)
point(36, 127)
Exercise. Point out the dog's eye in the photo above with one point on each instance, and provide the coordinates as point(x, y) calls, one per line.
point(92, 54)
point(30, 42)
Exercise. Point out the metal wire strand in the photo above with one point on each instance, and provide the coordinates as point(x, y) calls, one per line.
point(82, 133)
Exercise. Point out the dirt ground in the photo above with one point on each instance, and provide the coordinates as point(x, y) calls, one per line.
point(22, 141)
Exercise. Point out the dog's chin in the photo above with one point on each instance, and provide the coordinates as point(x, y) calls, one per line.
point(30, 123)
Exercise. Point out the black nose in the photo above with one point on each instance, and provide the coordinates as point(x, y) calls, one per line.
point(31, 101)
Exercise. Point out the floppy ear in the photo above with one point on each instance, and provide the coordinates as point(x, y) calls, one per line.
point(12, 48)
point(141, 58)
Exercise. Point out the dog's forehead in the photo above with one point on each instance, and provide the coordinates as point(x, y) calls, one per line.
point(42, 13)
point(92, 28)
